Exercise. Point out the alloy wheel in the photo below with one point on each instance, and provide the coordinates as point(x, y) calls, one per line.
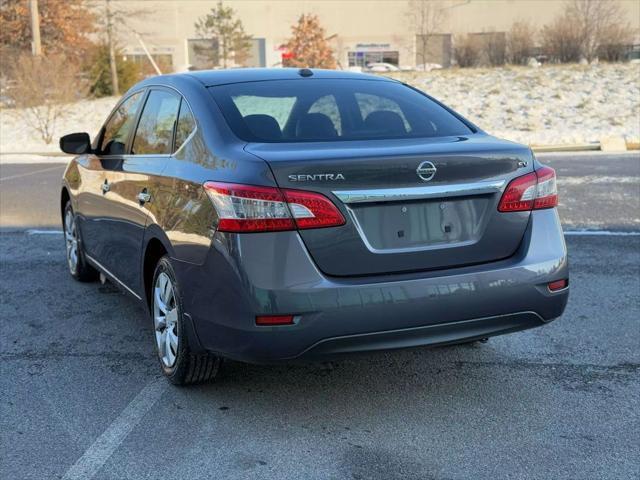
point(71, 241)
point(165, 319)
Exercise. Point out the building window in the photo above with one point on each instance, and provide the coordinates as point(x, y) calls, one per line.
point(362, 58)
point(257, 53)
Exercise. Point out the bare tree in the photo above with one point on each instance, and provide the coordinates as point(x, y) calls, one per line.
point(521, 42)
point(561, 40)
point(425, 19)
point(115, 88)
point(615, 42)
point(593, 19)
point(43, 95)
point(112, 21)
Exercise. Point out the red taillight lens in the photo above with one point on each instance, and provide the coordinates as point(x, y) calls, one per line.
point(312, 210)
point(519, 194)
point(270, 320)
point(532, 191)
point(249, 208)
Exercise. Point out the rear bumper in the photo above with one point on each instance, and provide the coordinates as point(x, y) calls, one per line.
point(429, 335)
point(272, 273)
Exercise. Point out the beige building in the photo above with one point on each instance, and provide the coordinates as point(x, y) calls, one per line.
point(361, 31)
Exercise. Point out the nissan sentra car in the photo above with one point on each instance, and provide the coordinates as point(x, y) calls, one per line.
point(268, 215)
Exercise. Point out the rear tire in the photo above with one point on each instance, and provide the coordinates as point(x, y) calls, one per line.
point(179, 364)
point(76, 259)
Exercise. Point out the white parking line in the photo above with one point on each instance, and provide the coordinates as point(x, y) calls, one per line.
point(44, 232)
point(103, 447)
point(35, 172)
point(587, 233)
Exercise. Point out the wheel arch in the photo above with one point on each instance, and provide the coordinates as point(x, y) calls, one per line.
point(156, 245)
point(64, 198)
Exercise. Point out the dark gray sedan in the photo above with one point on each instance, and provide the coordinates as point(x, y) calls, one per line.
point(277, 214)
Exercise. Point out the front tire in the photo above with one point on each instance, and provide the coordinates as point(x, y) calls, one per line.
point(178, 363)
point(76, 259)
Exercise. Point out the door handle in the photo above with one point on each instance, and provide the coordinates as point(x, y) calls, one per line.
point(105, 186)
point(144, 197)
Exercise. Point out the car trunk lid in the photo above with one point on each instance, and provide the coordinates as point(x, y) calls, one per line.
point(410, 204)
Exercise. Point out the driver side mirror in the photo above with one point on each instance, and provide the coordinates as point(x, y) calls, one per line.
point(76, 143)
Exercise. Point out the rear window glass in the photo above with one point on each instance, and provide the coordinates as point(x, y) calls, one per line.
point(332, 110)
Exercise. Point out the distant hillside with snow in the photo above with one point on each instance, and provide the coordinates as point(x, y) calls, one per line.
point(556, 104)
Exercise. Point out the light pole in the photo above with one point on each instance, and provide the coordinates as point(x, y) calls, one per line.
point(36, 46)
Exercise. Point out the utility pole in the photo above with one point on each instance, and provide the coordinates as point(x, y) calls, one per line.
point(36, 46)
point(115, 90)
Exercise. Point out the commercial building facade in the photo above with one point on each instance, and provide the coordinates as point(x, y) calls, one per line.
point(360, 31)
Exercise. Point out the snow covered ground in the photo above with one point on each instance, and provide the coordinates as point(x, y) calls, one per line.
point(558, 104)
point(550, 105)
point(16, 136)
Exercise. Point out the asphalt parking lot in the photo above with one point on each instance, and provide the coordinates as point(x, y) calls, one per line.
point(81, 395)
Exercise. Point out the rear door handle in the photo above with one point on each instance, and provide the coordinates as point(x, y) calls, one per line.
point(144, 197)
point(105, 186)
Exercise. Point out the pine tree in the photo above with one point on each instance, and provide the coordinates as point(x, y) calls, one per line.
point(222, 25)
point(308, 46)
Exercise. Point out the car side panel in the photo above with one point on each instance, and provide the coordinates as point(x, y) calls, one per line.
point(129, 216)
point(84, 177)
point(187, 215)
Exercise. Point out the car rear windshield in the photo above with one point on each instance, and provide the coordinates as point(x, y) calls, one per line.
point(332, 110)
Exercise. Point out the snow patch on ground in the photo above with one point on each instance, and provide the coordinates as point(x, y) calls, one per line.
point(83, 116)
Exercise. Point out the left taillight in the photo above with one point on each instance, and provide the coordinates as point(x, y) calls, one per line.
point(534, 191)
point(250, 208)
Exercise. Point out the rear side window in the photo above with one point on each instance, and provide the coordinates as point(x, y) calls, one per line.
point(278, 107)
point(119, 126)
point(154, 134)
point(328, 107)
point(371, 105)
point(186, 125)
point(332, 110)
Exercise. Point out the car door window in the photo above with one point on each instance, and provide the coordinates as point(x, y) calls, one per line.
point(186, 125)
point(117, 129)
point(154, 134)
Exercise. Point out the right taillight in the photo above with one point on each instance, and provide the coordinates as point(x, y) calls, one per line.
point(532, 191)
point(250, 208)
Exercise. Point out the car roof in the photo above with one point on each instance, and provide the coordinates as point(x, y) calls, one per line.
point(211, 78)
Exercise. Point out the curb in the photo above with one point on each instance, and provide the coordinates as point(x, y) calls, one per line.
point(617, 145)
point(584, 147)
